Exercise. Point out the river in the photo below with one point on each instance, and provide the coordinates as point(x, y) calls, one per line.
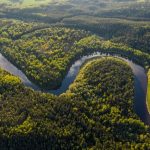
point(139, 74)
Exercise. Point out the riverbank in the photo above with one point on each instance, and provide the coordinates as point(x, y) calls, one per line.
point(138, 71)
point(99, 101)
point(148, 92)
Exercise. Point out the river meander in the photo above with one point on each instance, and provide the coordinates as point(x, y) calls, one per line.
point(139, 74)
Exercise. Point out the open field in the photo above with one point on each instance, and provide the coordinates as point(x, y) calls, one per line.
point(27, 3)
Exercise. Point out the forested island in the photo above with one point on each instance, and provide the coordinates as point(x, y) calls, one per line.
point(43, 39)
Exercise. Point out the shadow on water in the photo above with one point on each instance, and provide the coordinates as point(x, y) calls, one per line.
point(139, 73)
point(140, 102)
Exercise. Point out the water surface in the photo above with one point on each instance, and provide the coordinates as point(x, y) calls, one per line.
point(139, 74)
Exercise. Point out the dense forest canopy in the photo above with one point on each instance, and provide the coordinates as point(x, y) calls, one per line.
point(104, 117)
point(43, 38)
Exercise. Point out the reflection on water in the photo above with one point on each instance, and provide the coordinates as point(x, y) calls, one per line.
point(6, 65)
point(139, 72)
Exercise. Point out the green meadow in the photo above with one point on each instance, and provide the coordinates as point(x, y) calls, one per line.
point(27, 3)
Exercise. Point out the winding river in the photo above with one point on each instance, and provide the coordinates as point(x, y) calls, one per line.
point(139, 74)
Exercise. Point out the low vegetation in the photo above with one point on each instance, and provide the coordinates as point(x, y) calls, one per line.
point(148, 91)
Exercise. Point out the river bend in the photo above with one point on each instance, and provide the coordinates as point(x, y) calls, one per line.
point(139, 74)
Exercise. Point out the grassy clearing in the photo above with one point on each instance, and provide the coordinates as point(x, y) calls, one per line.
point(148, 92)
point(26, 3)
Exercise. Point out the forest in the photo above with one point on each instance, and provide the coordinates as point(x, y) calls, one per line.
point(43, 39)
point(45, 55)
point(104, 117)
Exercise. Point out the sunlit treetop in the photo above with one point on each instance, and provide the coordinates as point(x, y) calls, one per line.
point(25, 3)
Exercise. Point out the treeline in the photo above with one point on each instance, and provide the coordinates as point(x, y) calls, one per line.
point(93, 43)
point(13, 29)
point(135, 34)
point(55, 12)
point(96, 112)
